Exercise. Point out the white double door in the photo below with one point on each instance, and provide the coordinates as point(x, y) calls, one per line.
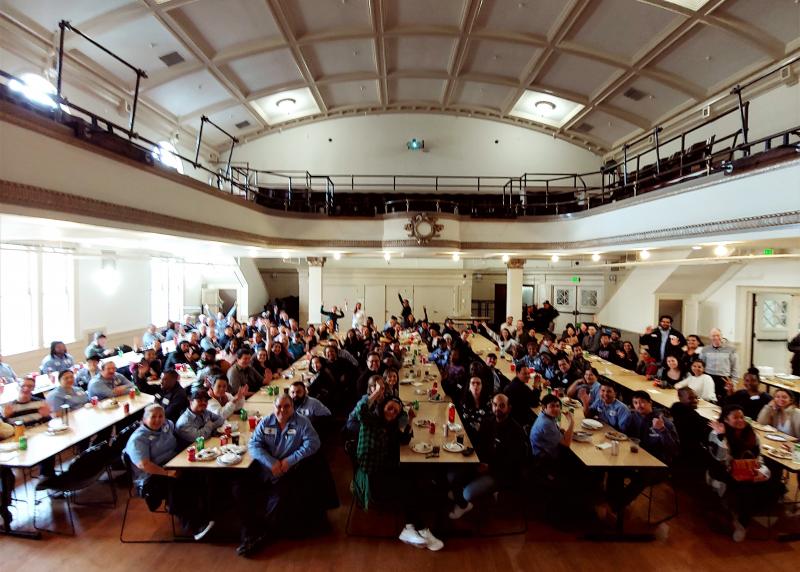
point(775, 320)
point(575, 303)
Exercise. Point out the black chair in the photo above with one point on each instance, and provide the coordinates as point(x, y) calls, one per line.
point(85, 470)
point(117, 445)
point(135, 492)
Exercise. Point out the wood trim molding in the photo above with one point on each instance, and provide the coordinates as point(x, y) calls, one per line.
point(57, 202)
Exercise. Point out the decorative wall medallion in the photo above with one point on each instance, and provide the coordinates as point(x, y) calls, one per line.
point(423, 228)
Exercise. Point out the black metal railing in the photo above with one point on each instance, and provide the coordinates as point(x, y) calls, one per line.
point(490, 196)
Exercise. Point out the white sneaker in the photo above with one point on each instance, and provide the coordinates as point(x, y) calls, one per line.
point(431, 541)
point(412, 537)
point(205, 530)
point(739, 531)
point(458, 512)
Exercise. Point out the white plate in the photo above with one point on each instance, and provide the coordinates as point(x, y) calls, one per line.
point(206, 455)
point(109, 404)
point(582, 436)
point(453, 447)
point(422, 448)
point(455, 427)
point(421, 422)
point(417, 383)
point(235, 449)
point(591, 424)
point(229, 459)
point(761, 427)
point(786, 376)
point(406, 381)
point(776, 437)
point(420, 392)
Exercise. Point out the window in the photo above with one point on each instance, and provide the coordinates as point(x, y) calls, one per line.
point(36, 89)
point(775, 315)
point(37, 299)
point(58, 317)
point(166, 290)
point(18, 294)
point(563, 297)
point(167, 155)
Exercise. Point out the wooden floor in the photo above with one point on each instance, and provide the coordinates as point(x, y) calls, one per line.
point(695, 542)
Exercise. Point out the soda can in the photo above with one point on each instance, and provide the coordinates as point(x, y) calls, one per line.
point(252, 422)
point(132, 393)
point(243, 414)
point(192, 452)
point(416, 405)
point(127, 408)
point(23, 443)
point(95, 400)
point(235, 439)
point(228, 430)
point(200, 443)
point(223, 440)
point(19, 429)
point(432, 428)
point(614, 448)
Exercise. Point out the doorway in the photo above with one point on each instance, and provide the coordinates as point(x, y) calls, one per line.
point(575, 304)
point(228, 297)
point(499, 304)
point(773, 321)
point(672, 307)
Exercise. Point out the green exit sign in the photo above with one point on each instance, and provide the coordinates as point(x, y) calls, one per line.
point(769, 251)
point(575, 279)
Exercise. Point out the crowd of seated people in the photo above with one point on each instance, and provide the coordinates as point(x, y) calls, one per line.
point(355, 383)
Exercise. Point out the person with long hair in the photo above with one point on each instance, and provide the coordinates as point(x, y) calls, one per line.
point(732, 441)
point(57, 360)
point(781, 413)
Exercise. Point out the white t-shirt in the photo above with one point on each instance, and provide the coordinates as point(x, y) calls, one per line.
point(702, 385)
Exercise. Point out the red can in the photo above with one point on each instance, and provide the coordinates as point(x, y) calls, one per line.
point(228, 430)
point(513, 367)
point(192, 452)
point(451, 413)
point(95, 401)
point(252, 421)
point(127, 408)
point(223, 440)
point(432, 428)
point(132, 393)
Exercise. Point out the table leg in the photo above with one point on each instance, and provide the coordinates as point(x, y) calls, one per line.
point(619, 534)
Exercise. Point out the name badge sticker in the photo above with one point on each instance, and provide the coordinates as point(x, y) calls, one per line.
point(270, 431)
point(291, 432)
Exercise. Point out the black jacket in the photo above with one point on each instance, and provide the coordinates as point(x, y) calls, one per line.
point(522, 399)
point(652, 342)
point(504, 447)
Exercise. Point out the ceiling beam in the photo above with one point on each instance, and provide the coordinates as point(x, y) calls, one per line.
point(459, 55)
point(282, 20)
point(379, 46)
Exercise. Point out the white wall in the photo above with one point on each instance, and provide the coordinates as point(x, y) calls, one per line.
point(103, 306)
point(377, 145)
point(254, 287)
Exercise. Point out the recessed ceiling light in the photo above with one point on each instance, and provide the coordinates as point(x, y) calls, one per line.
point(286, 104)
point(506, 258)
point(721, 250)
point(644, 254)
point(555, 258)
point(544, 107)
point(596, 257)
point(697, 248)
point(337, 255)
point(456, 257)
point(387, 256)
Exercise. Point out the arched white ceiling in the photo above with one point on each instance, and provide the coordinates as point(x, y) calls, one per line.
point(627, 64)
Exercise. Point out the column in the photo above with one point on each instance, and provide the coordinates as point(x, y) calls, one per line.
point(514, 287)
point(315, 265)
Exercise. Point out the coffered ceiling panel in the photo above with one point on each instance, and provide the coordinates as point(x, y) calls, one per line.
point(346, 56)
point(710, 56)
point(608, 127)
point(411, 13)
point(276, 67)
point(500, 58)
point(649, 99)
point(578, 75)
point(48, 13)
point(189, 93)
point(234, 59)
point(479, 94)
point(346, 93)
point(781, 20)
point(231, 120)
point(419, 53)
point(228, 23)
point(416, 89)
point(533, 17)
point(605, 32)
point(140, 42)
point(324, 16)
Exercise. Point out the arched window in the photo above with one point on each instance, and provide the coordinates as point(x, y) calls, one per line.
point(168, 155)
point(37, 89)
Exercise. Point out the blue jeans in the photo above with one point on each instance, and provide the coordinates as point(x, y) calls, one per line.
point(468, 488)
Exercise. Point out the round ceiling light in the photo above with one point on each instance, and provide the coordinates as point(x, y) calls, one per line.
point(555, 258)
point(456, 257)
point(286, 104)
point(721, 250)
point(506, 258)
point(644, 254)
point(596, 257)
point(544, 107)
